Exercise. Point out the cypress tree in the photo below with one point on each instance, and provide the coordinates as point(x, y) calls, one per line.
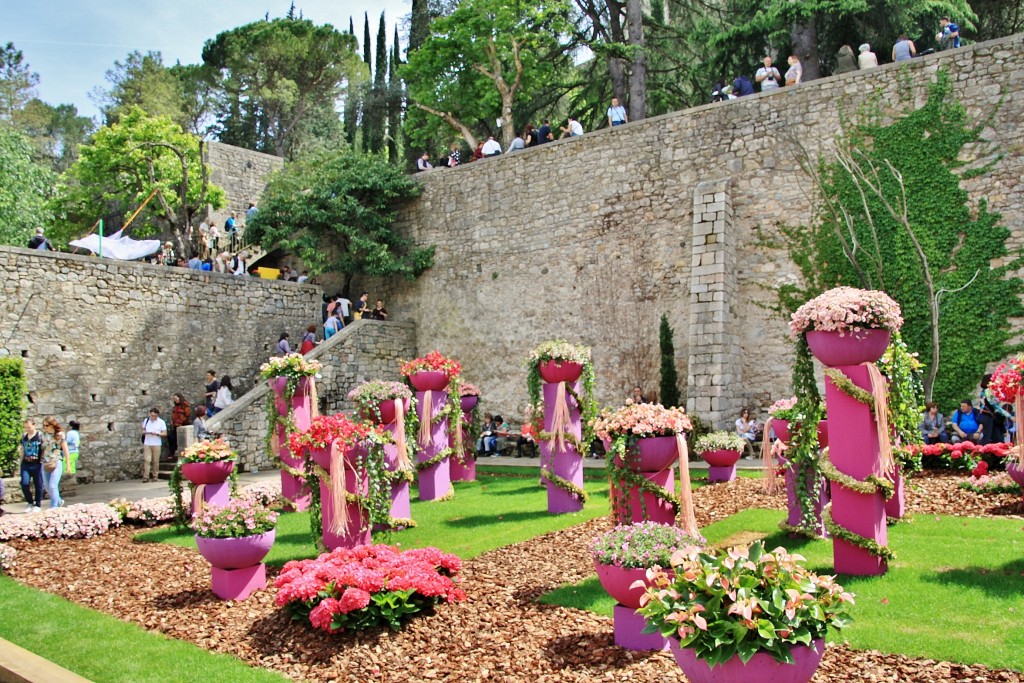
point(352, 105)
point(669, 379)
point(396, 101)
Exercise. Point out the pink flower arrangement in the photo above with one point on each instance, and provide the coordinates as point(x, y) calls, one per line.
point(432, 362)
point(7, 555)
point(780, 407)
point(1006, 380)
point(641, 420)
point(74, 521)
point(467, 389)
point(369, 585)
point(267, 493)
point(145, 511)
point(237, 519)
point(209, 451)
point(959, 450)
point(324, 430)
point(846, 308)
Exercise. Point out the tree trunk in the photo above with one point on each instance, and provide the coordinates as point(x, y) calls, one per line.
point(617, 73)
point(638, 73)
point(804, 37)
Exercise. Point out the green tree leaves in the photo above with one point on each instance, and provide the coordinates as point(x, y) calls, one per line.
point(25, 186)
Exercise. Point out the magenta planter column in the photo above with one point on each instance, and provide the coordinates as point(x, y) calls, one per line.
point(293, 488)
point(854, 450)
point(356, 530)
point(209, 482)
point(818, 490)
point(629, 625)
point(567, 463)
point(400, 506)
point(464, 464)
point(236, 564)
point(434, 481)
point(896, 506)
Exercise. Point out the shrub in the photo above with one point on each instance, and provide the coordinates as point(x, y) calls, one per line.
point(12, 411)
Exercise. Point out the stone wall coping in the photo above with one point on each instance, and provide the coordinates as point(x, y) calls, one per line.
point(216, 143)
point(142, 268)
point(234, 410)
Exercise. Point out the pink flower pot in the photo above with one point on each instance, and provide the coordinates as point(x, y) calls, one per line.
point(322, 457)
point(235, 553)
point(468, 403)
point(721, 458)
point(654, 454)
point(388, 412)
point(856, 346)
point(617, 581)
point(761, 668)
point(560, 371)
point(782, 432)
point(1016, 472)
point(207, 472)
point(433, 380)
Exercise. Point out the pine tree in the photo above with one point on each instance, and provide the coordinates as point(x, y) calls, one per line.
point(669, 379)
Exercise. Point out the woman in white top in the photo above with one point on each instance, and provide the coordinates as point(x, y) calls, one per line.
point(747, 428)
point(224, 397)
point(867, 58)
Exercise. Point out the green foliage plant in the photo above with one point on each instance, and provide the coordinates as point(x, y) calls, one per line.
point(12, 411)
point(669, 378)
point(906, 400)
point(335, 210)
point(739, 601)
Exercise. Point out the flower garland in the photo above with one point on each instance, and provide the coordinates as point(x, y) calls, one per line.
point(182, 516)
point(565, 485)
point(846, 385)
point(436, 460)
point(842, 533)
point(868, 486)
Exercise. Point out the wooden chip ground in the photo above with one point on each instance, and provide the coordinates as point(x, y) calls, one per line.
point(499, 634)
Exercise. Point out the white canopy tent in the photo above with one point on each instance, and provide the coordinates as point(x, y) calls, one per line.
point(118, 247)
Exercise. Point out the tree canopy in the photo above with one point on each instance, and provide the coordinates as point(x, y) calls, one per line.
point(335, 210)
point(25, 186)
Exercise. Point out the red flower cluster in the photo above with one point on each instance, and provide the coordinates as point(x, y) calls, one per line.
point(958, 450)
point(980, 470)
point(326, 429)
point(340, 589)
point(432, 362)
point(1006, 380)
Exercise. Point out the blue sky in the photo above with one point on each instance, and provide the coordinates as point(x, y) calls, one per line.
point(72, 43)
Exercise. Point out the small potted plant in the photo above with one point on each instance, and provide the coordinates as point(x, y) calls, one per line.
point(847, 326)
point(208, 462)
point(623, 555)
point(285, 373)
point(721, 450)
point(744, 614)
point(784, 412)
point(379, 401)
point(234, 539)
point(432, 372)
point(469, 396)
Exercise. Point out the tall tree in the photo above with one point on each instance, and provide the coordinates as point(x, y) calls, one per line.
point(142, 81)
point(419, 24)
point(17, 81)
point(335, 210)
point(56, 132)
point(376, 102)
point(127, 161)
point(638, 65)
point(396, 100)
point(483, 60)
point(353, 100)
point(367, 58)
point(25, 186)
point(274, 74)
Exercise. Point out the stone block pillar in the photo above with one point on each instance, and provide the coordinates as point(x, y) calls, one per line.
point(714, 375)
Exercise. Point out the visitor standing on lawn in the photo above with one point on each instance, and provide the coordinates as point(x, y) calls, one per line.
point(154, 431)
point(31, 448)
point(53, 461)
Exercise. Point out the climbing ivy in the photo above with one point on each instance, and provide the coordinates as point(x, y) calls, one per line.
point(961, 242)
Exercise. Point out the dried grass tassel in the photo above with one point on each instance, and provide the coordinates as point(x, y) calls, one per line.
point(337, 474)
point(400, 443)
point(770, 482)
point(314, 403)
point(687, 518)
point(198, 499)
point(560, 419)
point(426, 414)
point(879, 390)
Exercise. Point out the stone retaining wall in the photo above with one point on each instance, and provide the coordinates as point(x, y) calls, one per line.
point(593, 238)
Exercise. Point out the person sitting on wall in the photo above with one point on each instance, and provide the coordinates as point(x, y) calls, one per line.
point(933, 425)
point(966, 423)
point(488, 442)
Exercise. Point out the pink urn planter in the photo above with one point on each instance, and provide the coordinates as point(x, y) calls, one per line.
point(433, 380)
point(653, 454)
point(629, 625)
point(856, 346)
point(236, 564)
point(467, 403)
point(617, 581)
point(560, 371)
point(721, 464)
point(207, 472)
point(761, 668)
point(1016, 472)
point(388, 412)
point(781, 429)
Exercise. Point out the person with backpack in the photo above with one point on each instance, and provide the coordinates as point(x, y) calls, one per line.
point(31, 449)
point(53, 461)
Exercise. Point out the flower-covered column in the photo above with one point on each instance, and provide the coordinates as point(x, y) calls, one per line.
point(463, 466)
point(560, 456)
point(433, 452)
point(345, 523)
point(396, 458)
point(294, 412)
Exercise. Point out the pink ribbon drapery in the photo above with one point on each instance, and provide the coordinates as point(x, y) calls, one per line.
point(426, 415)
point(338, 493)
point(198, 499)
point(771, 482)
point(879, 393)
point(687, 518)
point(560, 420)
point(400, 442)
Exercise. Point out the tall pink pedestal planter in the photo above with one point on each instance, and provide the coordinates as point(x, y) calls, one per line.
point(463, 467)
point(565, 462)
point(629, 625)
point(896, 507)
point(294, 489)
point(818, 489)
point(400, 506)
point(434, 481)
point(209, 481)
point(653, 460)
point(237, 568)
point(854, 448)
point(356, 530)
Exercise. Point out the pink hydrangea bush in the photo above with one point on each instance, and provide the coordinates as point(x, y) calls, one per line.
point(7, 555)
point(147, 511)
point(237, 519)
point(74, 521)
point(366, 586)
point(267, 494)
point(641, 420)
point(846, 308)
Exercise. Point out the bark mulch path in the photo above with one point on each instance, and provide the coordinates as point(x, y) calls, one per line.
point(500, 633)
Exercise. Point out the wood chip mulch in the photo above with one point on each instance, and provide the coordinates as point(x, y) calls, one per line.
point(499, 634)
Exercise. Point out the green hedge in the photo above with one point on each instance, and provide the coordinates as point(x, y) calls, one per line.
point(12, 411)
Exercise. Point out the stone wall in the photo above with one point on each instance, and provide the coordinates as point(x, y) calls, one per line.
point(593, 238)
point(242, 173)
point(362, 351)
point(104, 340)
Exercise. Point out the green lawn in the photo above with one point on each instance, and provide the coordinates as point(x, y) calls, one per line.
point(492, 512)
point(106, 650)
point(955, 591)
